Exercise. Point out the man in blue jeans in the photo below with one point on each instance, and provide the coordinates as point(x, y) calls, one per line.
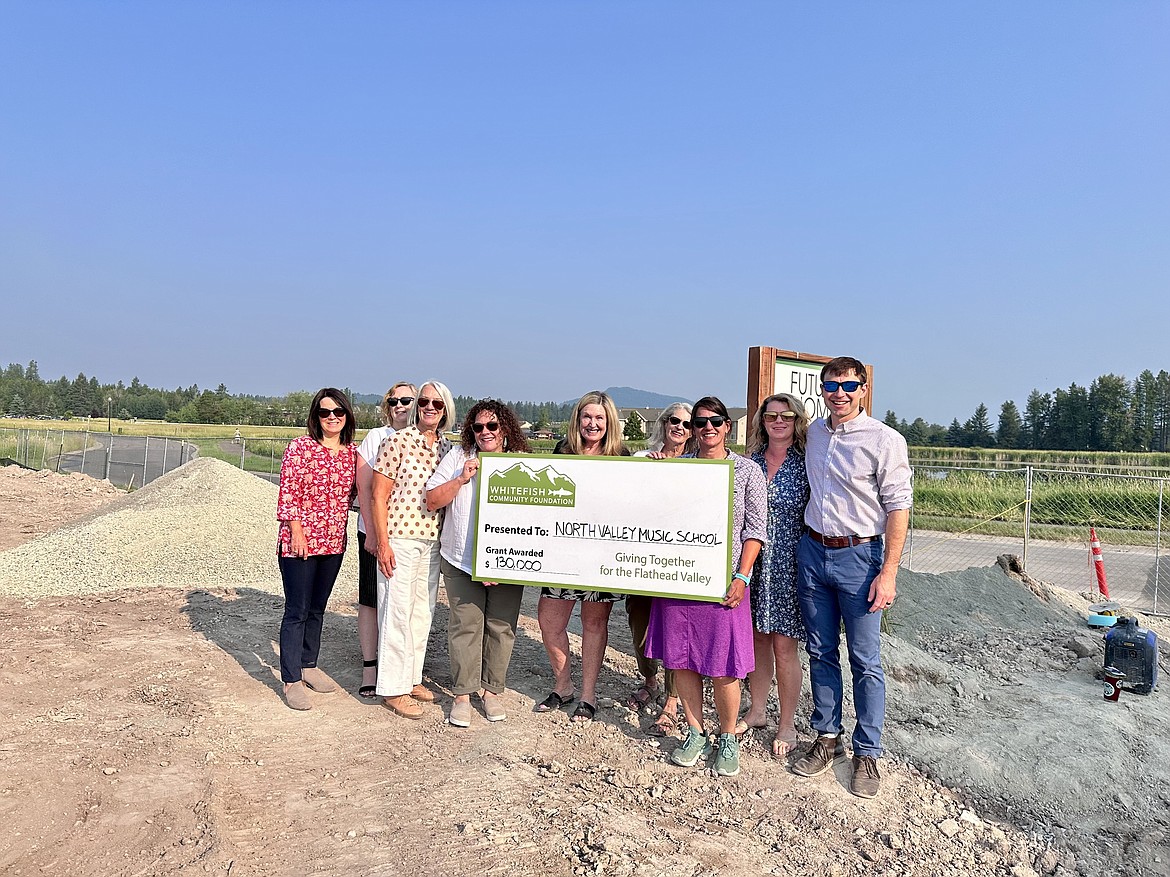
point(847, 561)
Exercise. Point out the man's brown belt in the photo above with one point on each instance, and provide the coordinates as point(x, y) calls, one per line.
point(838, 541)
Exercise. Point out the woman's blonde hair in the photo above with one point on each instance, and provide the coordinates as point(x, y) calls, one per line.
point(611, 445)
point(388, 410)
point(658, 434)
point(758, 435)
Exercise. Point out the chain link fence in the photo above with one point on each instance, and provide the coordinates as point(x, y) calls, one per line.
point(966, 517)
point(962, 516)
point(129, 461)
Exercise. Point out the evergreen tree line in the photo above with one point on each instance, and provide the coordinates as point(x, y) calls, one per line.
point(24, 393)
point(1113, 414)
point(542, 415)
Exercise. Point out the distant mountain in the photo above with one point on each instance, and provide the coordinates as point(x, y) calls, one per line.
point(628, 397)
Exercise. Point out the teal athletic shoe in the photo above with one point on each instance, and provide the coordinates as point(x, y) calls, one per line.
point(727, 758)
point(694, 747)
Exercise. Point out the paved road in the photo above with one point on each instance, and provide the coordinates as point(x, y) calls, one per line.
point(132, 459)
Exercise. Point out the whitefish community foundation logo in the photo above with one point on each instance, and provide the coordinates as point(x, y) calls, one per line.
point(523, 485)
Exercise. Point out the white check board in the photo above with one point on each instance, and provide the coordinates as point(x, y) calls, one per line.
point(621, 524)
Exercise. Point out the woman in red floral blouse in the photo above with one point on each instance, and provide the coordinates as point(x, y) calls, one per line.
point(316, 483)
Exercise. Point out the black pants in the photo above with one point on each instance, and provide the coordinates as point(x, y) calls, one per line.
point(367, 575)
point(308, 583)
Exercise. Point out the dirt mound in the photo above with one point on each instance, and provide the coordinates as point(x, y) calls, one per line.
point(206, 524)
point(35, 502)
point(996, 690)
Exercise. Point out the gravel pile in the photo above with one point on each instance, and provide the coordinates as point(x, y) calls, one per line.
point(206, 524)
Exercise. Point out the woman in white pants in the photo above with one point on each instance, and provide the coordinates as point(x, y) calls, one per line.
point(408, 556)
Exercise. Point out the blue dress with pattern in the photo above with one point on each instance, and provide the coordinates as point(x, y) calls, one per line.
point(773, 591)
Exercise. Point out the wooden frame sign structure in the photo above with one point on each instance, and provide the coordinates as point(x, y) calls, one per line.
point(627, 525)
point(775, 370)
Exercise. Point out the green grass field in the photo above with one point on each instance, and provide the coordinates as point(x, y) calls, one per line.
point(160, 428)
point(1128, 463)
point(1063, 505)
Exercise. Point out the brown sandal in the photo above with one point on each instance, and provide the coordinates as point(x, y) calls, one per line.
point(641, 696)
point(742, 727)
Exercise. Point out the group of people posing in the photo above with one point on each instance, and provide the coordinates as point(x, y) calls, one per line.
point(820, 514)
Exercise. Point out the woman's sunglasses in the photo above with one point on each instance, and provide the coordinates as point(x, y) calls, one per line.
point(491, 426)
point(678, 421)
point(326, 413)
point(770, 416)
point(716, 420)
point(395, 401)
point(437, 404)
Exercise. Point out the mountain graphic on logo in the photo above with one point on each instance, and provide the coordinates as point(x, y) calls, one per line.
point(523, 485)
point(523, 475)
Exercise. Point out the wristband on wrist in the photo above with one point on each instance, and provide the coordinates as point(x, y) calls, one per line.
point(742, 578)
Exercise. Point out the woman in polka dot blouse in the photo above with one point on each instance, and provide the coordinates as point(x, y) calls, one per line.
point(408, 555)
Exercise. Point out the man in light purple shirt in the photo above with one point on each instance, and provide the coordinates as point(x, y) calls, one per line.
point(847, 562)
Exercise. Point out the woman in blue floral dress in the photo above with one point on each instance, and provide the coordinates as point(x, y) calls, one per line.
point(776, 444)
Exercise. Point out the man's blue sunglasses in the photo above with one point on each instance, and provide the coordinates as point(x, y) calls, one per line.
point(847, 386)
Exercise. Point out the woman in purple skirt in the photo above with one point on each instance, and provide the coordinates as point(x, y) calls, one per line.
point(697, 639)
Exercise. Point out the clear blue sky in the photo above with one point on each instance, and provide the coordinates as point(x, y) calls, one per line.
point(531, 200)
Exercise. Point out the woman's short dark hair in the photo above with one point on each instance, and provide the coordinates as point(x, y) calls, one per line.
point(842, 365)
point(514, 439)
point(711, 403)
point(315, 422)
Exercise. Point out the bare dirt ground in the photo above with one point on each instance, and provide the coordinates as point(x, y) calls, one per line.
point(143, 733)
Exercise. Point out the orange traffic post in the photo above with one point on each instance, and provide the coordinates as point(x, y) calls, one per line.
point(1098, 562)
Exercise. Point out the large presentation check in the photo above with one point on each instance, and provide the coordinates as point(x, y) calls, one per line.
point(624, 524)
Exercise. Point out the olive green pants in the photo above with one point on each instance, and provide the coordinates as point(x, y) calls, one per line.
point(481, 630)
point(638, 614)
